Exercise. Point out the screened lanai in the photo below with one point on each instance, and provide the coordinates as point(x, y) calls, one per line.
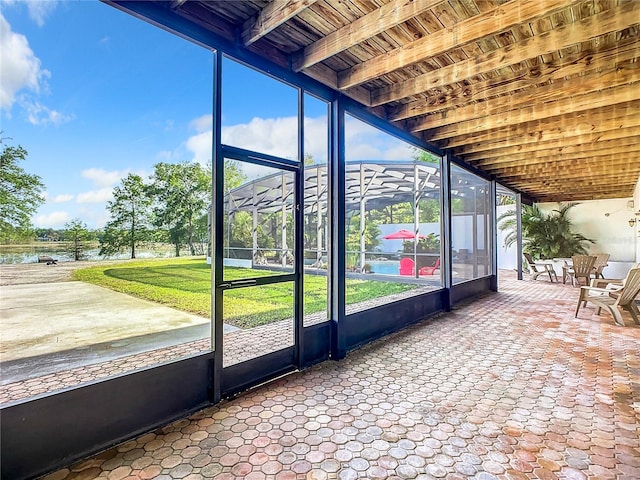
point(537, 99)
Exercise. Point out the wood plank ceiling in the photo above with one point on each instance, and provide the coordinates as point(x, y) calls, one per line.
point(542, 94)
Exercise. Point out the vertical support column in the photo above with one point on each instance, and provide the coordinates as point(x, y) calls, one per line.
point(297, 211)
point(492, 237)
point(337, 195)
point(416, 219)
point(519, 234)
point(363, 213)
point(283, 212)
point(319, 229)
point(217, 255)
point(474, 233)
point(254, 229)
point(446, 263)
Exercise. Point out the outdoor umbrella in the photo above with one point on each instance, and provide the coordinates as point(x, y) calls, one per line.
point(401, 235)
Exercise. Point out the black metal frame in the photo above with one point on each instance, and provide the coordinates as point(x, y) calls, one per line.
point(239, 377)
point(49, 431)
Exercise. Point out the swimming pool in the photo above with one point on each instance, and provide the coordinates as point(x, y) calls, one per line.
point(389, 267)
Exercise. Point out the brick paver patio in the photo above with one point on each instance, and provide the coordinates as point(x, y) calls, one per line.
point(510, 386)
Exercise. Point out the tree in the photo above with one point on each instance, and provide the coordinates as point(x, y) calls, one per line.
point(130, 214)
point(77, 233)
point(544, 235)
point(182, 196)
point(21, 194)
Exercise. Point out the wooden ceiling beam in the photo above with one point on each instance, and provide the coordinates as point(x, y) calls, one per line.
point(572, 146)
point(564, 152)
point(602, 194)
point(533, 98)
point(492, 22)
point(612, 20)
point(621, 167)
point(569, 104)
point(608, 124)
point(364, 28)
point(271, 17)
point(573, 64)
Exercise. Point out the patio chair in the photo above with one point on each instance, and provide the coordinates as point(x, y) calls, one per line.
point(407, 267)
point(582, 266)
point(614, 299)
point(540, 268)
point(601, 262)
point(430, 270)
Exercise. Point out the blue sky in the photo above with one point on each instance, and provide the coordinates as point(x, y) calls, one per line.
point(93, 94)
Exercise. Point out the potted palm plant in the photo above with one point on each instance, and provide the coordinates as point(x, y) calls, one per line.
point(545, 235)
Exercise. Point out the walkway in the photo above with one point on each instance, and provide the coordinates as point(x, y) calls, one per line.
point(510, 386)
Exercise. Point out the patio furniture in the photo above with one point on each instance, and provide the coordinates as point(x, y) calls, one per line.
point(430, 270)
point(407, 267)
point(582, 266)
point(613, 299)
point(540, 268)
point(601, 262)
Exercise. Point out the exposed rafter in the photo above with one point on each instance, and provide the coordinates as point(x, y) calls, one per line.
point(488, 23)
point(538, 94)
point(270, 17)
point(368, 26)
point(609, 21)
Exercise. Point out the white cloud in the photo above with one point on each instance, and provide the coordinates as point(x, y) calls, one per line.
point(54, 219)
point(39, 114)
point(65, 197)
point(364, 142)
point(273, 136)
point(21, 69)
point(104, 178)
point(200, 146)
point(95, 196)
point(202, 124)
point(39, 10)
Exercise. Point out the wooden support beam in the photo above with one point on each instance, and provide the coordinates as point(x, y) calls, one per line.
point(612, 20)
point(602, 98)
point(570, 147)
point(580, 63)
point(591, 125)
point(368, 26)
point(537, 97)
point(598, 166)
point(270, 17)
point(492, 22)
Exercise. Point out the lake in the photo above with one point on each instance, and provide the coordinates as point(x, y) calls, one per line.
point(61, 251)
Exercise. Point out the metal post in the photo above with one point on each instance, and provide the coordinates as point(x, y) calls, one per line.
point(416, 220)
point(254, 230)
point(319, 229)
point(217, 254)
point(519, 234)
point(285, 250)
point(363, 213)
point(446, 264)
point(337, 189)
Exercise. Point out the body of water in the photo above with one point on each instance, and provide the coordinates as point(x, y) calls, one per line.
point(61, 252)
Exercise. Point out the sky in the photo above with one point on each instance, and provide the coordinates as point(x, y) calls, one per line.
point(94, 94)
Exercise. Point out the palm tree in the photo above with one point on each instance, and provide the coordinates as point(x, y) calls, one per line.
point(544, 235)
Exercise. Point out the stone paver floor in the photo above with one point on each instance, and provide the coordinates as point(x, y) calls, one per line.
point(511, 386)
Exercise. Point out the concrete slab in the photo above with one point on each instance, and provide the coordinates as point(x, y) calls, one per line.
point(46, 327)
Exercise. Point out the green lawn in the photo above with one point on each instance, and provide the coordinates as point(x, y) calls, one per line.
point(185, 284)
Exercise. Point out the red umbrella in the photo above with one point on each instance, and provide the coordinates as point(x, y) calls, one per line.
point(401, 235)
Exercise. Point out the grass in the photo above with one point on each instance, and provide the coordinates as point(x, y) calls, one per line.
point(185, 284)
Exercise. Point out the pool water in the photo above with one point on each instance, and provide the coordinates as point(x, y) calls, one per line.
point(390, 267)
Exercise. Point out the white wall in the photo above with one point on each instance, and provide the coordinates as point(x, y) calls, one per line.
point(606, 222)
point(507, 257)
